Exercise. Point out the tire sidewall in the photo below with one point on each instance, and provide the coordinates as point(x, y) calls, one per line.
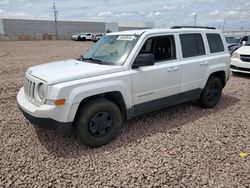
point(88, 111)
point(204, 100)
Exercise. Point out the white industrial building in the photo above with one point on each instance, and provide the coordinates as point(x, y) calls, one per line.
point(25, 29)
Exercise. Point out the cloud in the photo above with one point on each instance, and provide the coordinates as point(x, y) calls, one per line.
point(17, 15)
point(215, 13)
point(2, 12)
point(4, 2)
point(157, 13)
point(105, 14)
point(153, 14)
point(231, 13)
point(142, 13)
point(193, 14)
point(169, 7)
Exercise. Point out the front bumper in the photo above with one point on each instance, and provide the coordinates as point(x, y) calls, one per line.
point(237, 65)
point(47, 123)
point(42, 116)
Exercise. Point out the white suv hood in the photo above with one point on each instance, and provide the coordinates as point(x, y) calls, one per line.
point(244, 50)
point(68, 70)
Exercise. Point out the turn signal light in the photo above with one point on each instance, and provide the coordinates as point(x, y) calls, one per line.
point(59, 102)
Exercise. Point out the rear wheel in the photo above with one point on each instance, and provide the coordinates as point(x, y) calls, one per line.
point(98, 123)
point(212, 92)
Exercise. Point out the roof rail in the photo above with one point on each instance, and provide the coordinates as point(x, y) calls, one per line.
point(199, 27)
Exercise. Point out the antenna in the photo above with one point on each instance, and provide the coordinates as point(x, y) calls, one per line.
point(55, 16)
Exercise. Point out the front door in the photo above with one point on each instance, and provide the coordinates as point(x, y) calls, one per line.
point(157, 85)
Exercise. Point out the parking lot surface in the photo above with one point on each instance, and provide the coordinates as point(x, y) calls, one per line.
point(181, 146)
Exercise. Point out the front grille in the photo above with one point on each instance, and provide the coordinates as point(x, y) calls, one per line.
point(29, 89)
point(245, 58)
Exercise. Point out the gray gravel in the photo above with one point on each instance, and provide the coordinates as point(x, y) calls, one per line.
point(181, 146)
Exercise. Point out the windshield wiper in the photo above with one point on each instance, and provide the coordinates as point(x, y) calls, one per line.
point(91, 59)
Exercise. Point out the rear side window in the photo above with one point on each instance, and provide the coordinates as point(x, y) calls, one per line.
point(215, 43)
point(192, 45)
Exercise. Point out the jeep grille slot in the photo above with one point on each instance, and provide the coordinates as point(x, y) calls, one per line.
point(29, 89)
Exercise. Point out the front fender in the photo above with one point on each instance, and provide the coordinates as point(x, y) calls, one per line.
point(80, 93)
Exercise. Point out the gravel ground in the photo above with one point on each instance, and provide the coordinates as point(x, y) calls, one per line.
point(181, 146)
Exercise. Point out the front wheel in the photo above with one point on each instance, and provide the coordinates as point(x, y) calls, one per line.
point(98, 122)
point(212, 92)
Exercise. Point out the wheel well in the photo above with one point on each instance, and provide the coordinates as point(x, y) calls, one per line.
point(221, 75)
point(115, 97)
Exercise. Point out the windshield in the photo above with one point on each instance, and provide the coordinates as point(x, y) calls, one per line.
point(111, 49)
point(248, 43)
point(232, 40)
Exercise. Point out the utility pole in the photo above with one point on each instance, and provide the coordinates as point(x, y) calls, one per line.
point(224, 23)
point(55, 16)
point(195, 19)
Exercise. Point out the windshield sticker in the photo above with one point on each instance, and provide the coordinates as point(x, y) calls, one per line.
point(124, 37)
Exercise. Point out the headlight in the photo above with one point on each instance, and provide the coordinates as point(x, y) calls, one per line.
point(236, 55)
point(41, 91)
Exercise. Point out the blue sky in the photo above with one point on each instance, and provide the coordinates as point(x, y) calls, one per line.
point(163, 13)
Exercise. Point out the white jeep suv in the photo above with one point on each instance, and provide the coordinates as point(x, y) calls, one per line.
point(123, 75)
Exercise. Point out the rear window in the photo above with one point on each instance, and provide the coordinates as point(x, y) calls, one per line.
point(192, 45)
point(215, 43)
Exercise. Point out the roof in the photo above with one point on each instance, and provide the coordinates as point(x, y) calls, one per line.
point(154, 31)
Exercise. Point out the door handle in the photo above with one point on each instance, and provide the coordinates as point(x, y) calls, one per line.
point(204, 63)
point(173, 69)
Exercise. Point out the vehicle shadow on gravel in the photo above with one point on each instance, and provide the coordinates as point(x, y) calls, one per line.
point(241, 75)
point(167, 121)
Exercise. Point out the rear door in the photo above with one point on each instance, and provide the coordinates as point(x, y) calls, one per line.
point(194, 63)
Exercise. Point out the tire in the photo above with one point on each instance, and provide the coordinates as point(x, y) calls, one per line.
point(98, 122)
point(211, 94)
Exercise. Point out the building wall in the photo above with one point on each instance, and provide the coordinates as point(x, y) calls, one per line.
point(111, 26)
point(21, 29)
point(1, 26)
point(65, 28)
point(236, 32)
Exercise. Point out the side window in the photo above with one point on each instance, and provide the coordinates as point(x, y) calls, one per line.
point(192, 45)
point(215, 43)
point(163, 48)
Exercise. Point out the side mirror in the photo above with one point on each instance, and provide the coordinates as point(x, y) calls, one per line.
point(243, 43)
point(143, 60)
